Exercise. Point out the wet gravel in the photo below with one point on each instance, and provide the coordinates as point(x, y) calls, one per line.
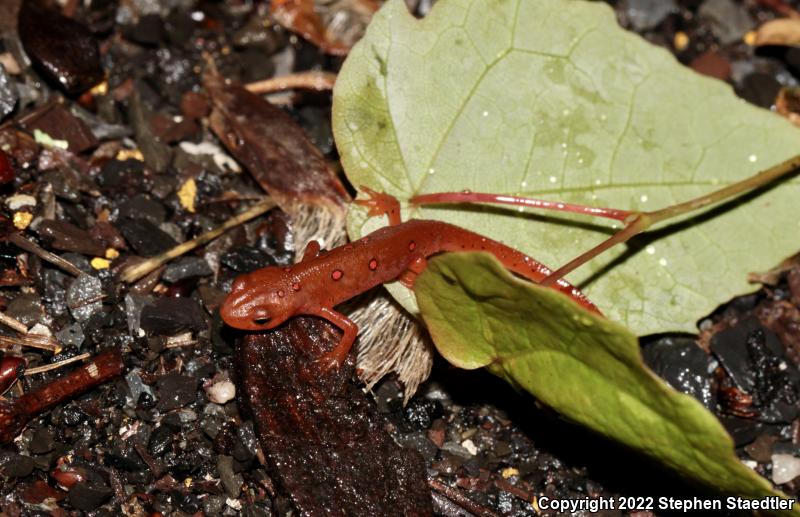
point(98, 177)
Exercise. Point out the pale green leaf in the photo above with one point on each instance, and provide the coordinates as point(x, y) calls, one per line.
point(585, 366)
point(550, 98)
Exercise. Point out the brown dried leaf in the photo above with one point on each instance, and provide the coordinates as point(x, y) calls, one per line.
point(784, 32)
point(302, 17)
point(272, 147)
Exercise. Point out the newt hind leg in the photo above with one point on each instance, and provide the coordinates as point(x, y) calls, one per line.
point(409, 276)
point(380, 203)
point(336, 357)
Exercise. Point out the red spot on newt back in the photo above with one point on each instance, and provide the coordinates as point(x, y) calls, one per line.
point(281, 294)
point(296, 286)
point(373, 264)
point(412, 246)
point(337, 274)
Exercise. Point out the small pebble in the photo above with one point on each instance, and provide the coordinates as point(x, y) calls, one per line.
point(785, 468)
point(18, 201)
point(8, 94)
point(221, 391)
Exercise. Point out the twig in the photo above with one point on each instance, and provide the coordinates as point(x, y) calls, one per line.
point(316, 81)
point(14, 415)
point(32, 341)
point(639, 222)
point(180, 340)
point(505, 486)
point(13, 323)
point(464, 501)
point(31, 247)
point(137, 271)
point(53, 366)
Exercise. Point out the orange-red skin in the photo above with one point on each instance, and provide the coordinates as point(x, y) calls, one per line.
point(267, 297)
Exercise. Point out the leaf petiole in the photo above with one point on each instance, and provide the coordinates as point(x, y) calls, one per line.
point(636, 222)
point(639, 222)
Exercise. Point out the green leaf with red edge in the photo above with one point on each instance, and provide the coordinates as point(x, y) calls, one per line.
point(585, 366)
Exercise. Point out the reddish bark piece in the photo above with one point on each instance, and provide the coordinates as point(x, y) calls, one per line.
point(322, 438)
point(56, 121)
point(301, 17)
point(15, 414)
point(272, 146)
point(22, 147)
point(6, 170)
point(712, 64)
point(11, 368)
point(38, 491)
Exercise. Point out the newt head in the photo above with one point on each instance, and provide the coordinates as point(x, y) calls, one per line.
point(260, 300)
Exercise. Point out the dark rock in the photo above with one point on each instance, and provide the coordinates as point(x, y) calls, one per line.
point(254, 65)
point(157, 155)
point(762, 448)
point(179, 26)
point(258, 32)
point(742, 430)
point(213, 505)
point(72, 415)
point(145, 238)
point(8, 94)
point(646, 14)
point(730, 347)
point(244, 260)
point(186, 267)
point(775, 390)
point(71, 335)
point(760, 89)
point(15, 465)
point(419, 442)
point(100, 16)
point(63, 50)
point(684, 365)
point(68, 237)
point(41, 442)
point(230, 481)
point(388, 396)
point(160, 441)
point(87, 496)
point(175, 391)
point(422, 412)
point(729, 20)
point(134, 303)
point(167, 316)
point(84, 297)
point(142, 206)
point(116, 173)
point(256, 510)
point(26, 307)
point(149, 30)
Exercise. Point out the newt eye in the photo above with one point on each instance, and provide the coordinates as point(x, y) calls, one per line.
point(261, 321)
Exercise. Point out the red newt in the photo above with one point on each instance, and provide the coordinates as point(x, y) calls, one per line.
point(269, 296)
